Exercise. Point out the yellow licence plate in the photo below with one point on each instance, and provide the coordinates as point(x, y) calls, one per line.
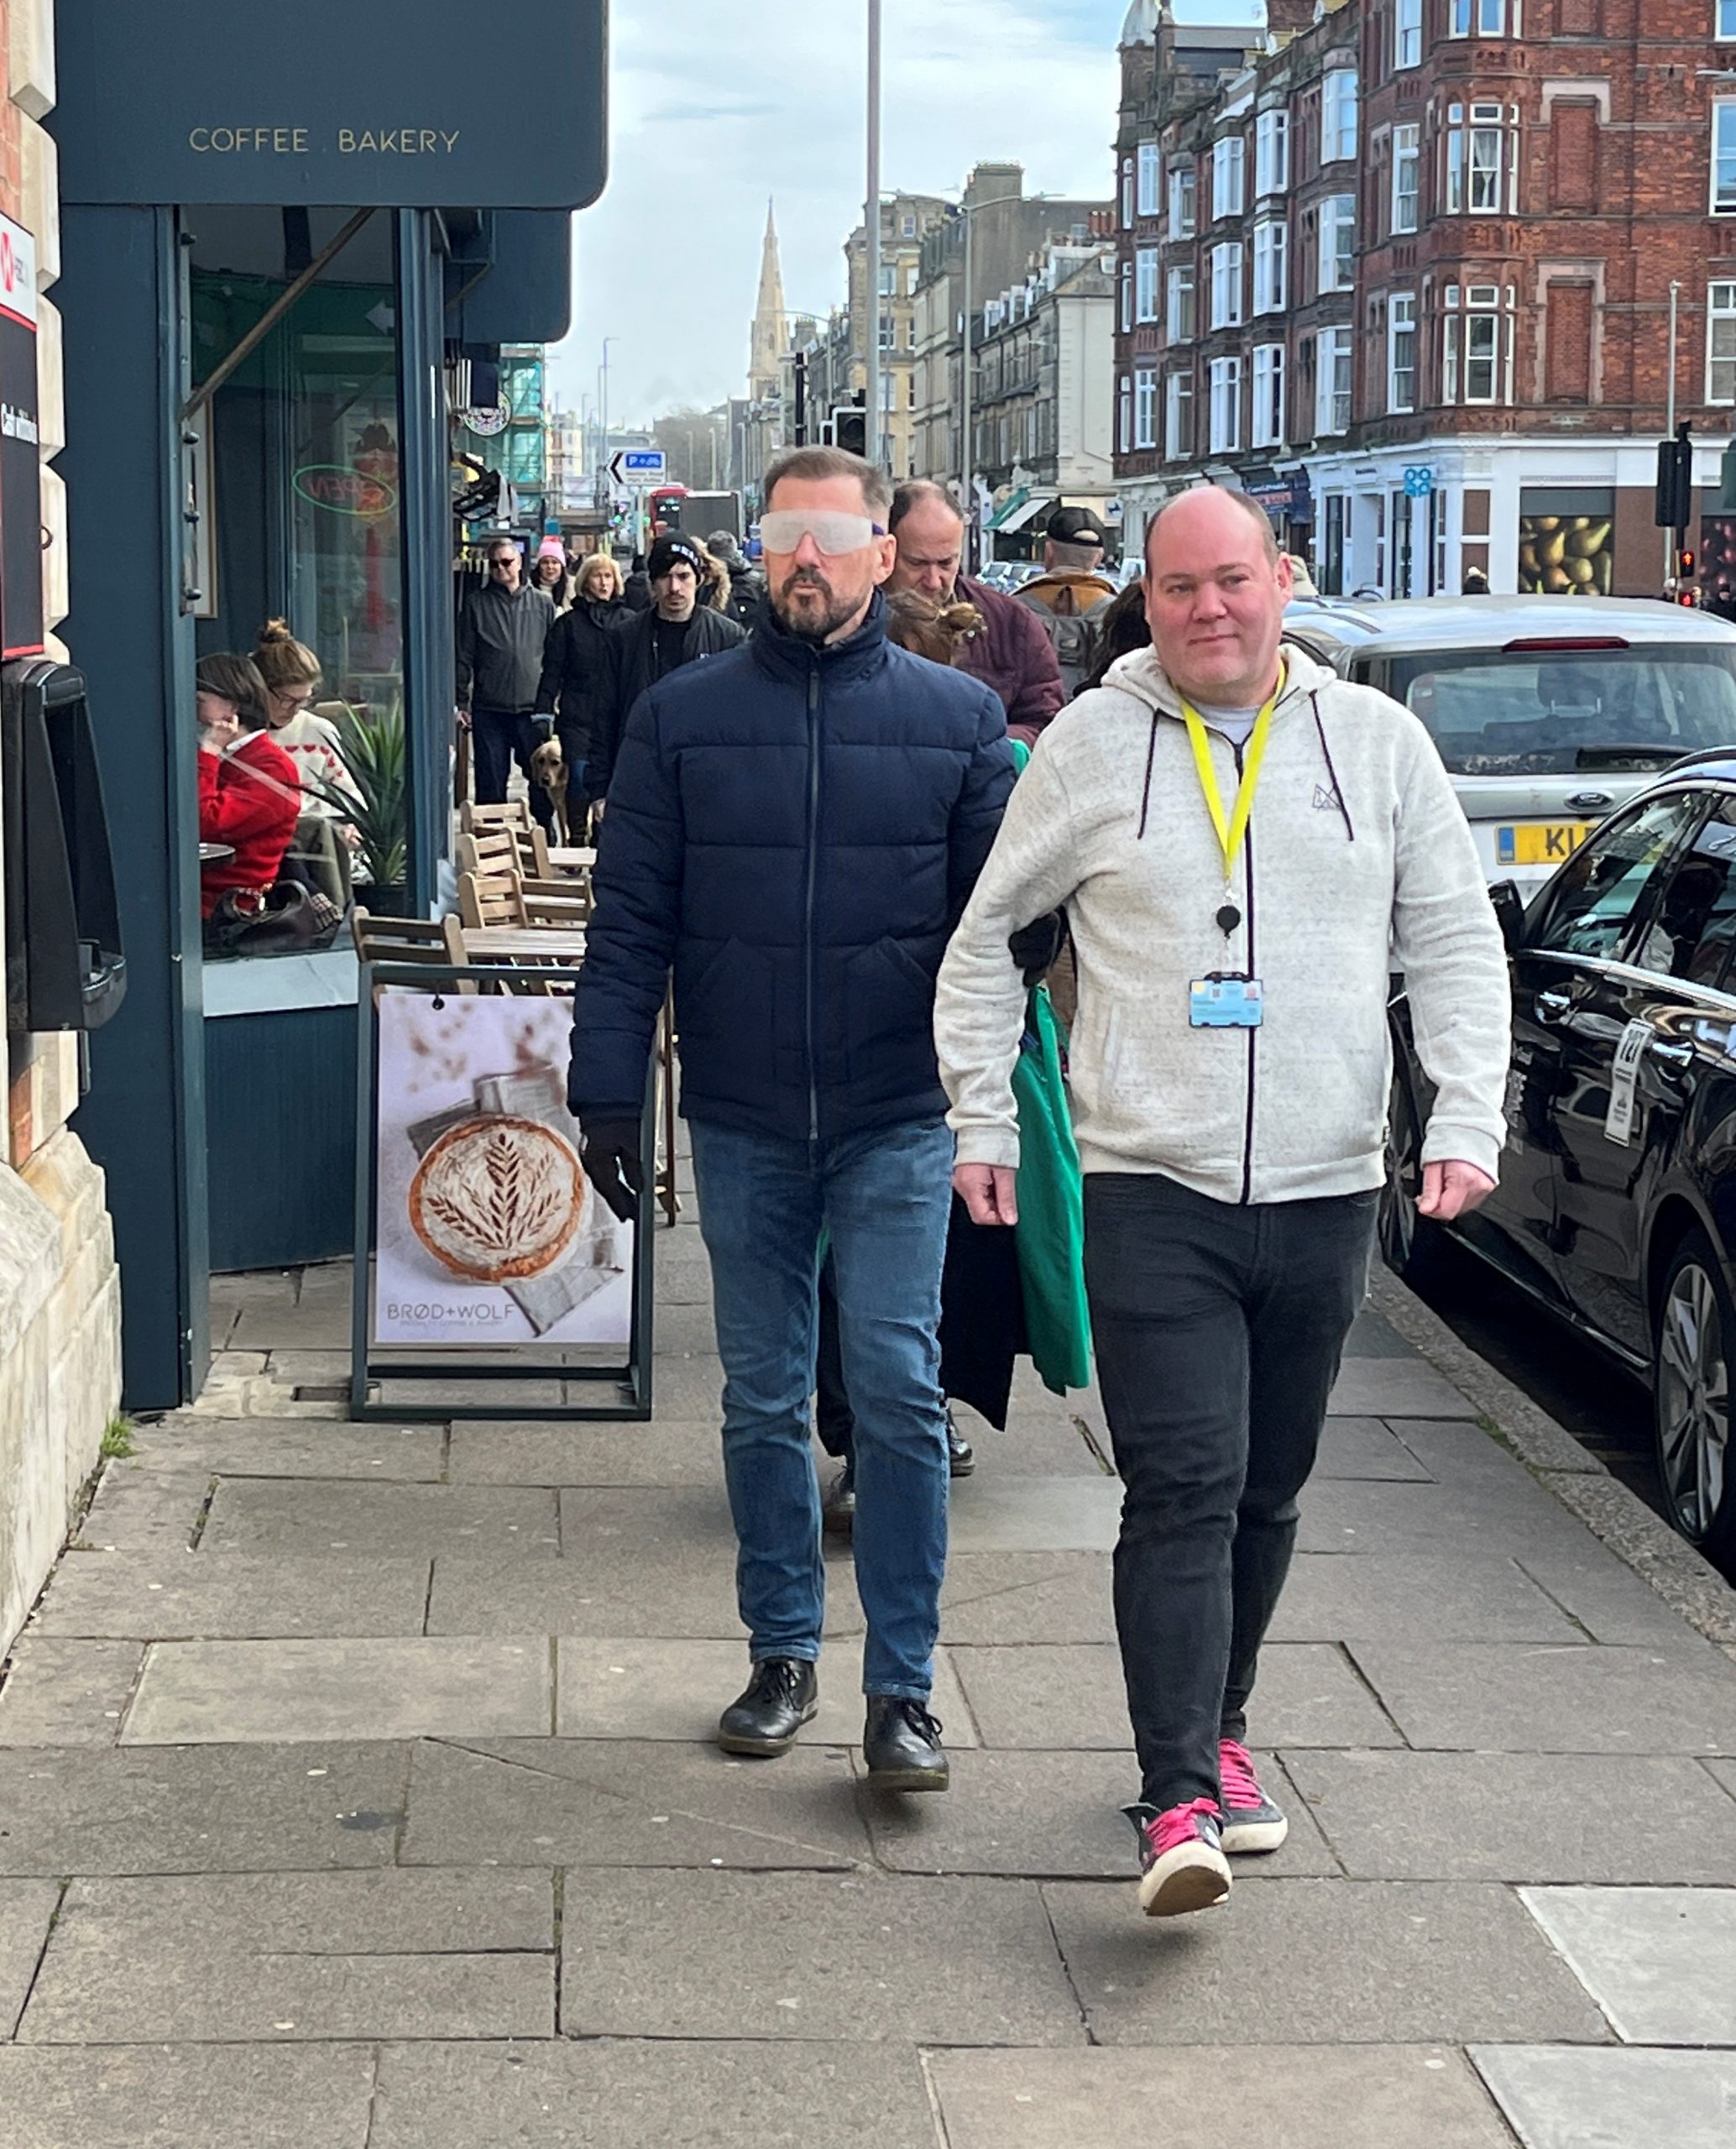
point(1540, 843)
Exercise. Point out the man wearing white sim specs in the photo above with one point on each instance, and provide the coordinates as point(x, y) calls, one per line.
point(794, 827)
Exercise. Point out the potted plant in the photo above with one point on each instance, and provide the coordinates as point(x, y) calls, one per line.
point(374, 801)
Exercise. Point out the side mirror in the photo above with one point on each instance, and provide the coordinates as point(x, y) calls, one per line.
point(1509, 914)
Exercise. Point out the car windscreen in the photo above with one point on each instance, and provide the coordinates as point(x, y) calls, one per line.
point(1542, 712)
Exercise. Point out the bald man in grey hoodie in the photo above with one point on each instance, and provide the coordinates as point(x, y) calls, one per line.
point(1247, 846)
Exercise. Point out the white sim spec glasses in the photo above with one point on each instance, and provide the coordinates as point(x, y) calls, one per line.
point(835, 534)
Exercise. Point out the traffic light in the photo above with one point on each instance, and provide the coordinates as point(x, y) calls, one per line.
point(1673, 509)
point(1685, 561)
point(849, 427)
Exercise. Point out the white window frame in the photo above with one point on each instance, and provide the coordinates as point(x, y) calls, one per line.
point(1126, 194)
point(1724, 156)
point(1224, 433)
point(1226, 283)
point(1271, 266)
point(1272, 150)
point(1336, 269)
point(1478, 334)
point(1407, 166)
point(1145, 284)
point(1338, 115)
point(1149, 188)
point(1408, 34)
point(1177, 399)
point(1331, 383)
point(1266, 429)
point(1484, 19)
point(1126, 296)
point(1721, 330)
point(1482, 161)
point(1184, 201)
point(1182, 283)
point(1229, 176)
point(1124, 430)
point(1401, 353)
point(1726, 29)
point(1145, 406)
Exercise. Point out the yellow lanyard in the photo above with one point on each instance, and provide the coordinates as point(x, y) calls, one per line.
point(1231, 830)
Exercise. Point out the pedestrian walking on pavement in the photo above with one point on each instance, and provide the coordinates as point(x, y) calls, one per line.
point(503, 631)
point(794, 826)
point(1010, 652)
point(1071, 595)
point(578, 667)
point(1247, 846)
point(549, 574)
point(747, 585)
point(677, 630)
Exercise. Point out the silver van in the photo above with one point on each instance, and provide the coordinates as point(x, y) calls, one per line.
point(1548, 712)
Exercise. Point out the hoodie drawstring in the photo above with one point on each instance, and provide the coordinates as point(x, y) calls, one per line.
point(1150, 756)
point(1343, 804)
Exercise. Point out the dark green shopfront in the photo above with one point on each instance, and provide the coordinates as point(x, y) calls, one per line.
point(290, 239)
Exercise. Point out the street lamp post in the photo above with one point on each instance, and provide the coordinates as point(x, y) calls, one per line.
point(871, 444)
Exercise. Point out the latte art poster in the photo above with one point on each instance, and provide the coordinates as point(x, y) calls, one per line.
point(488, 1230)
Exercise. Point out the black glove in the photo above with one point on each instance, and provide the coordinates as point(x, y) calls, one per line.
point(609, 1149)
point(544, 720)
point(1034, 947)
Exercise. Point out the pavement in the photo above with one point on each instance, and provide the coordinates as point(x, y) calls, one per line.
point(356, 1791)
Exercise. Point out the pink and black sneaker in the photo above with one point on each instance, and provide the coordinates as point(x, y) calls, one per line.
point(1252, 1823)
point(1181, 1867)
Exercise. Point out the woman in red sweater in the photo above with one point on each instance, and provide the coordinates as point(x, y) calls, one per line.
point(249, 789)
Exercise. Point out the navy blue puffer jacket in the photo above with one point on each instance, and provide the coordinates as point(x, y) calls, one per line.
point(796, 831)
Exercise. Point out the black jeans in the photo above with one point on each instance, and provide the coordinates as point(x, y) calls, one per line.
point(1219, 1331)
point(497, 737)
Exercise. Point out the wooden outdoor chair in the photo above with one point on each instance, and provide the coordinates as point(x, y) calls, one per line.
point(434, 942)
point(515, 815)
point(495, 857)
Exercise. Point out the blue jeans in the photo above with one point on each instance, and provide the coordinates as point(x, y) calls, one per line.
point(884, 1199)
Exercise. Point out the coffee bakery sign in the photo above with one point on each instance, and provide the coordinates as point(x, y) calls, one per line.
point(327, 104)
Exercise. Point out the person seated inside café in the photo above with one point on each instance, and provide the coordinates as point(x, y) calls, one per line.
point(249, 790)
point(324, 839)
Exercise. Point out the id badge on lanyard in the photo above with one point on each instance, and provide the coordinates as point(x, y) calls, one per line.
point(1229, 1000)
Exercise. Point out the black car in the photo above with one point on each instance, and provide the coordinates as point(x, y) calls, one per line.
point(1616, 1205)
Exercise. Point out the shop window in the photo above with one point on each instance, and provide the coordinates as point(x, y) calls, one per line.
point(1567, 541)
point(1721, 343)
point(1226, 406)
point(1407, 163)
point(1331, 559)
point(1182, 189)
point(1178, 417)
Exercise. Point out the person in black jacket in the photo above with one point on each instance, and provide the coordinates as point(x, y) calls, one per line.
point(677, 630)
point(795, 827)
point(577, 674)
point(503, 631)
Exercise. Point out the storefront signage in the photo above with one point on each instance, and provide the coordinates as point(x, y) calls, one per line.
point(20, 460)
point(1419, 480)
point(485, 420)
point(202, 102)
point(335, 487)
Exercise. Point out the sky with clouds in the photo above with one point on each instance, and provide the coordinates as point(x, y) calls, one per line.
point(717, 105)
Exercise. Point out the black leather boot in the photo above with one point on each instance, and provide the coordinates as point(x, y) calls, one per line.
point(900, 1742)
point(960, 1456)
point(838, 1506)
point(764, 1718)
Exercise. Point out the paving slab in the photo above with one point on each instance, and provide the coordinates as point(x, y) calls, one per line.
point(1603, 1595)
point(1037, 1440)
point(1723, 1772)
point(1410, 1962)
point(1616, 1817)
point(686, 1451)
point(294, 1447)
point(277, 1956)
point(1039, 1816)
point(1660, 1961)
point(139, 1509)
point(660, 1588)
point(1073, 1697)
point(1372, 1335)
point(1515, 1697)
point(178, 1594)
point(1289, 2097)
point(200, 1809)
point(688, 1387)
point(27, 1911)
point(862, 1958)
point(311, 1520)
point(221, 1693)
point(684, 1331)
point(1367, 1447)
point(1396, 1387)
point(617, 2094)
point(66, 1693)
point(659, 1690)
point(580, 1802)
point(321, 1324)
point(1036, 1514)
point(1505, 1515)
point(1346, 1596)
point(1556, 2098)
point(187, 2097)
point(1028, 1597)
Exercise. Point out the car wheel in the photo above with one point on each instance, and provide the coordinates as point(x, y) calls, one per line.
point(1696, 1333)
point(1411, 1247)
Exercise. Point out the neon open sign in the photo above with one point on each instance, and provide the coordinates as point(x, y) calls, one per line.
point(341, 491)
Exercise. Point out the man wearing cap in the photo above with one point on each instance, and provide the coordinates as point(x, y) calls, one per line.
point(1012, 654)
point(677, 630)
point(1072, 593)
point(502, 629)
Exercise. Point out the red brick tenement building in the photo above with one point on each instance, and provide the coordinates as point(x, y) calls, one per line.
point(1421, 307)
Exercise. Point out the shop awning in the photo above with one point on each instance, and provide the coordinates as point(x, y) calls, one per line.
point(1023, 507)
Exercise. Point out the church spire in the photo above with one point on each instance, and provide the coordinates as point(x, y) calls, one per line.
point(768, 329)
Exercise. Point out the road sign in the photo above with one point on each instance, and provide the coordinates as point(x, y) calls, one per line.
point(639, 466)
point(1420, 480)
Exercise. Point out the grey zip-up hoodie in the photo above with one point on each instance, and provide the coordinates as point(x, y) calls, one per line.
point(1357, 861)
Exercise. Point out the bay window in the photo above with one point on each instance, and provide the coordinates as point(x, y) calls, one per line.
point(1178, 417)
point(1272, 151)
point(1226, 284)
point(1408, 34)
point(1338, 242)
point(1721, 344)
point(1401, 352)
point(1331, 382)
point(1267, 427)
point(1145, 284)
point(1183, 187)
point(1145, 406)
point(1270, 249)
point(1723, 157)
point(1150, 179)
point(1407, 166)
point(1180, 321)
point(1225, 421)
point(1229, 155)
point(1338, 116)
point(1482, 161)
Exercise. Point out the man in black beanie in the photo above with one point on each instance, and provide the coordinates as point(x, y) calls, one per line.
point(677, 630)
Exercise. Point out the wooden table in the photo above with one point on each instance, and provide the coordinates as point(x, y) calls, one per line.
point(517, 944)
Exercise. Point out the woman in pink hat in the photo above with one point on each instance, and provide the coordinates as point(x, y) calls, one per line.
point(549, 572)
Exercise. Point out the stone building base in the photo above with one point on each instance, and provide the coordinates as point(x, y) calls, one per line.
point(59, 1358)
